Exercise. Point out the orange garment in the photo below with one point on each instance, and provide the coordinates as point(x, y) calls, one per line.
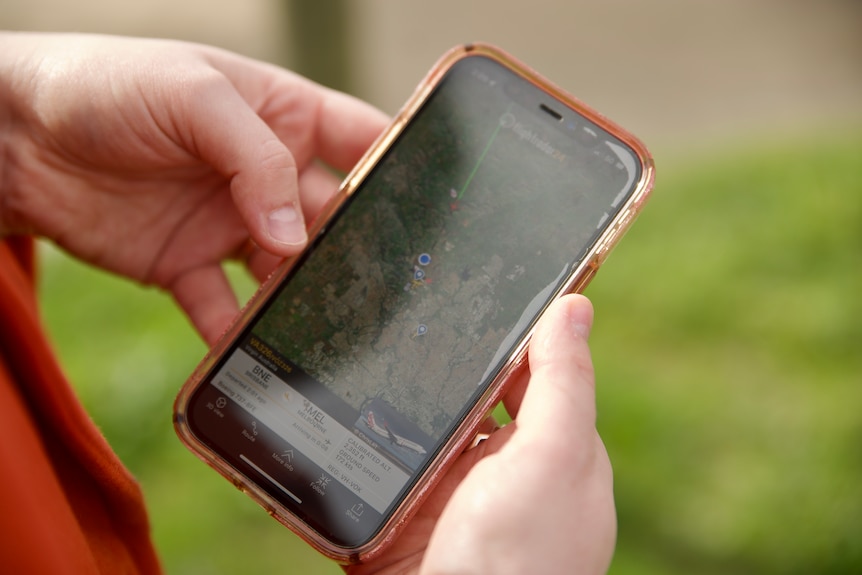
point(67, 504)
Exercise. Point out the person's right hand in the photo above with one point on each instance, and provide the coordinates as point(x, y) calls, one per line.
point(537, 495)
point(158, 159)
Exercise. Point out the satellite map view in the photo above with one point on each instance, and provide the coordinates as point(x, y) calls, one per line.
point(407, 300)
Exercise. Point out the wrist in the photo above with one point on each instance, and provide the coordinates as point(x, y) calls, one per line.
point(5, 129)
point(18, 61)
point(11, 51)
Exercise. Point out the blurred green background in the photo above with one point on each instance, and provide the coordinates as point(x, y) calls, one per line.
point(728, 338)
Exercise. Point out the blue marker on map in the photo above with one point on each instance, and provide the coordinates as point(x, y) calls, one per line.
point(422, 329)
point(424, 259)
point(418, 274)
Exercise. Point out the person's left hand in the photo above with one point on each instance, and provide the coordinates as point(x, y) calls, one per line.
point(158, 159)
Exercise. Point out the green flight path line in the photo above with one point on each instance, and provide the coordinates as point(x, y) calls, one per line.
point(481, 158)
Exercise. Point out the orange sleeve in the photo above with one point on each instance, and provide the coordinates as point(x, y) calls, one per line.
point(67, 504)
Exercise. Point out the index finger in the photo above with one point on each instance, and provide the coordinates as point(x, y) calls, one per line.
point(346, 128)
point(313, 121)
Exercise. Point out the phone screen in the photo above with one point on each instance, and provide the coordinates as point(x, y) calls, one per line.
point(355, 373)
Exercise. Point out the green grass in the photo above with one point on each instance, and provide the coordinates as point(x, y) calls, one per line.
point(728, 347)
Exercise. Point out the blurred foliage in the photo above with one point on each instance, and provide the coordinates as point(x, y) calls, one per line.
point(728, 347)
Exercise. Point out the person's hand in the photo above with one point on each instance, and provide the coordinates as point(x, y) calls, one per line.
point(158, 160)
point(537, 495)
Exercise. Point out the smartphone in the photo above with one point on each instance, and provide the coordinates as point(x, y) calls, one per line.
point(365, 365)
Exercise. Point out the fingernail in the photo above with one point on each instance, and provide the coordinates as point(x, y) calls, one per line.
point(286, 226)
point(582, 329)
point(581, 318)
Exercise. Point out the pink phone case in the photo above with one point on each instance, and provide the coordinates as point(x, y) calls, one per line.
point(468, 429)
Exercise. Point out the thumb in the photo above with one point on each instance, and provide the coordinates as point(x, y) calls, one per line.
point(236, 142)
point(561, 392)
